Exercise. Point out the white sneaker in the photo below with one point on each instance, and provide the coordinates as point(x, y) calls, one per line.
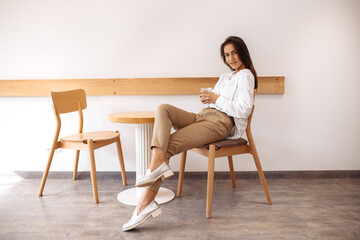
point(163, 172)
point(153, 209)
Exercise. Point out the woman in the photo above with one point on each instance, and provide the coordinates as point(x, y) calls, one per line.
point(225, 116)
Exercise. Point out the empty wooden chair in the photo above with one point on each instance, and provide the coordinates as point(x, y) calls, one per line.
point(71, 101)
point(225, 148)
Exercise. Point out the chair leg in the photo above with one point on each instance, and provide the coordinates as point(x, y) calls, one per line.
point(181, 173)
point(261, 174)
point(47, 168)
point(93, 171)
point(210, 180)
point(232, 173)
point(121, 160)
point(76, 164)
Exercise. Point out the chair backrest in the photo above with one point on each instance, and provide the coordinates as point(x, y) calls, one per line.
point(250, 117)
point(67, 101)
point(251, 114)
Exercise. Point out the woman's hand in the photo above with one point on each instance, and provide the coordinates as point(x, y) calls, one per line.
point(208, 97)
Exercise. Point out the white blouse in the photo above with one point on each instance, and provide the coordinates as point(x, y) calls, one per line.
point(236, 98)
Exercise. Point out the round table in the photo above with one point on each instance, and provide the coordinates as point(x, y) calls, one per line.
point(144, 124)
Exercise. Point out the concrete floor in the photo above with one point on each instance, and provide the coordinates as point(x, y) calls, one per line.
point(302, 209)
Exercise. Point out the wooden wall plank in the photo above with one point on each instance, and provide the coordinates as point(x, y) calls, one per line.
point(127, 86)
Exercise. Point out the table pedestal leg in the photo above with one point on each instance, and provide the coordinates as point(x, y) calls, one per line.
point(143, 136)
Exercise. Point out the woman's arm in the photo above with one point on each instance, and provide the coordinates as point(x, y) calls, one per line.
point(241, 104)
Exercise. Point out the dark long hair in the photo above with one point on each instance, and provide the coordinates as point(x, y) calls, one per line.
point(243, 52)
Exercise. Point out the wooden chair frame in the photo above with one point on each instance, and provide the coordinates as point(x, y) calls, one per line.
point(62, 103)
point(212, 153)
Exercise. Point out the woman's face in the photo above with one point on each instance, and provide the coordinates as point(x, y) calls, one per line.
point(232, 57)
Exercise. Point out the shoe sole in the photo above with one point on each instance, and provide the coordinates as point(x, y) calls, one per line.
point(154, 214)
point(168, 174)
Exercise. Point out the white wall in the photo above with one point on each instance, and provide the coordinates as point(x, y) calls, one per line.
point(313, 43)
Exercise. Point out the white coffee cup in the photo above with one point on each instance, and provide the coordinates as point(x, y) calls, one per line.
point(205, 90)
point(209, 89)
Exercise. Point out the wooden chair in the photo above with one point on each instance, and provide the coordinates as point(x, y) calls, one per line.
point(71, 101)
point(222, 149)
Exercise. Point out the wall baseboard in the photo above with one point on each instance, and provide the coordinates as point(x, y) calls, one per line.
point(199, 175)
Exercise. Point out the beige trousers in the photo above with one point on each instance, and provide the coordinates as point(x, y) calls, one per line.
point(192, 130)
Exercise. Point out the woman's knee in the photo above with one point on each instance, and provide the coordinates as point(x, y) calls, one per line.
point(164, 107)
point(164, 110)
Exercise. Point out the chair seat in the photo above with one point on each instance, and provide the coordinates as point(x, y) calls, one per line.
point(226, 143)
point(95, 136)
